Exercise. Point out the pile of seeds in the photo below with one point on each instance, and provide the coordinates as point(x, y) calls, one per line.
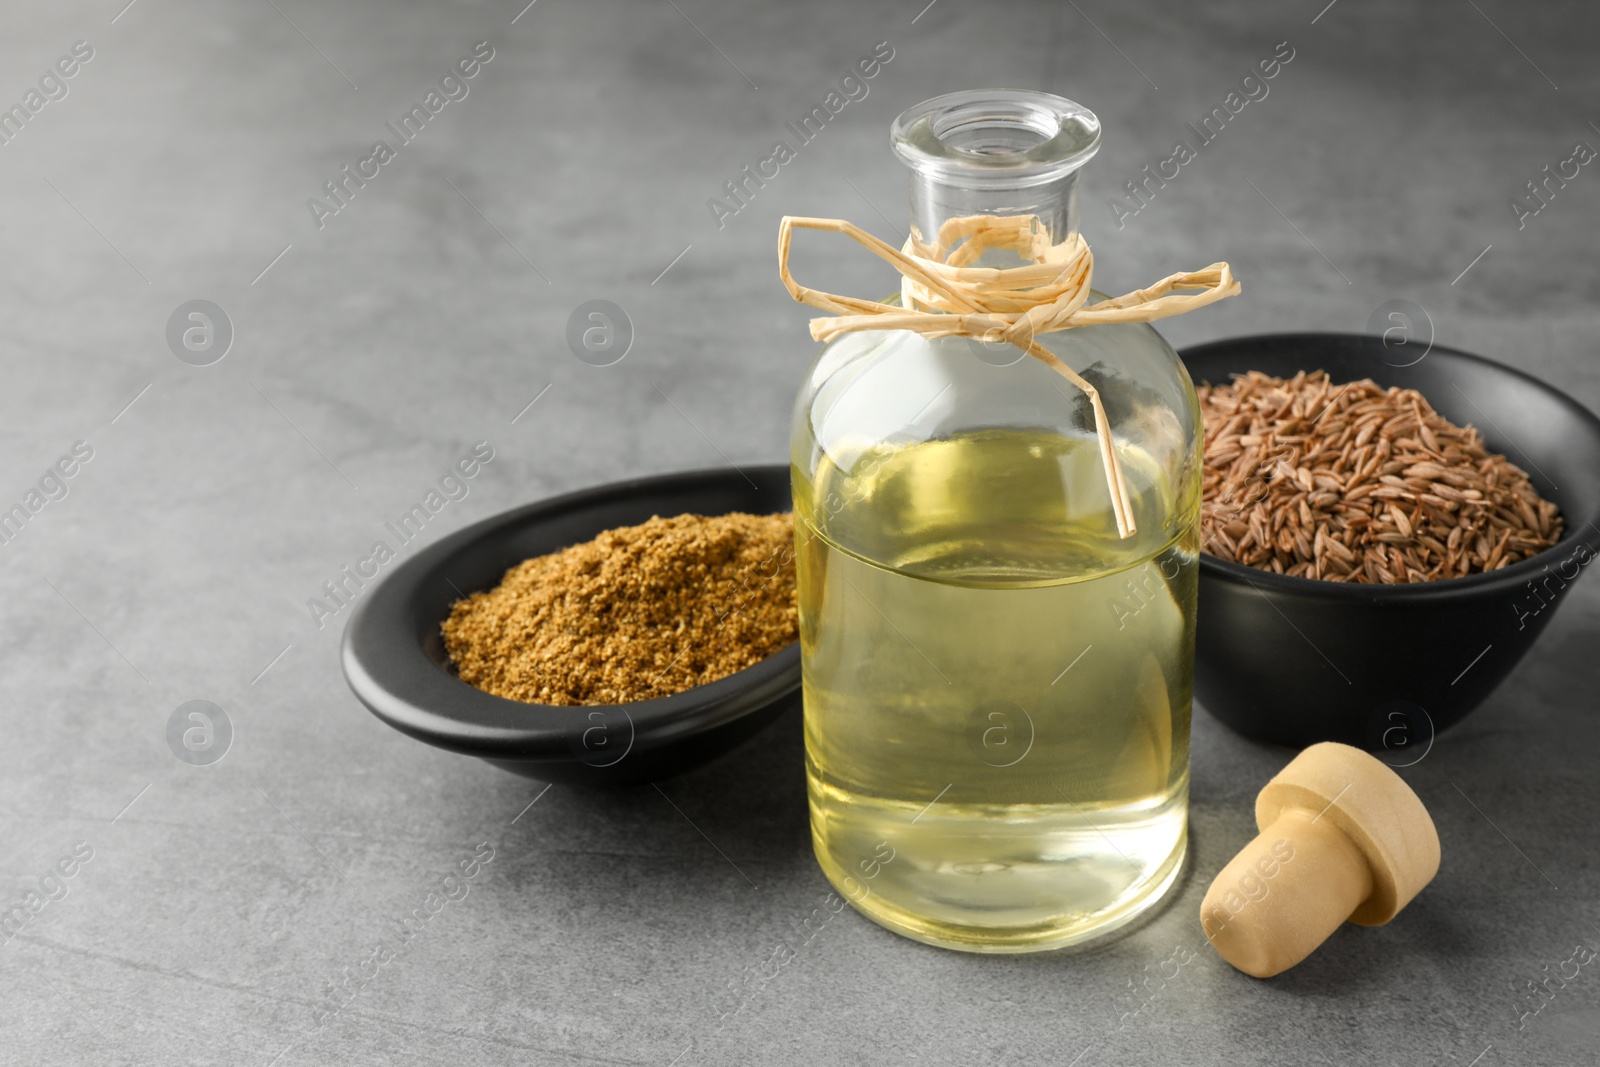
point(1356, 483)
point(639, 612)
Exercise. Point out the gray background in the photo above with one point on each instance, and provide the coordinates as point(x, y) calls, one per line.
point(607, 929)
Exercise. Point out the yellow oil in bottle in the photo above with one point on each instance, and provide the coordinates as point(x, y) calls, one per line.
point(997, 687)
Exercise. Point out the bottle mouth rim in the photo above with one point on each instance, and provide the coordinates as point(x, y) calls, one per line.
point(988, 138)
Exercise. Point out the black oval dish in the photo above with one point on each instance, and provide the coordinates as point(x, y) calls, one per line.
point(1296, 660)
point(394, 657)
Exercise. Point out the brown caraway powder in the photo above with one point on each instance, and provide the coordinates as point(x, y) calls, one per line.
point(639, 612)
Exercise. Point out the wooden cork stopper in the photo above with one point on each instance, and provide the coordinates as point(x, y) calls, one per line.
point(1342, 839)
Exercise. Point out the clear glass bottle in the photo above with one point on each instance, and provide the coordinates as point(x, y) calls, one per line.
point(997, 685)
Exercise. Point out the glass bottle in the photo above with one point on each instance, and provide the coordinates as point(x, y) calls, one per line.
point(997, 684)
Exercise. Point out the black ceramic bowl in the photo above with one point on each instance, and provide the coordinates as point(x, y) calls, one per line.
point(1295, 660)
point(394, 657)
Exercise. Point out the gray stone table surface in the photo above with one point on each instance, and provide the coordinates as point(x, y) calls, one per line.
point(212, 910)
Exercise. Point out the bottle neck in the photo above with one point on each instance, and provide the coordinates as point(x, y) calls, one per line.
point(1004, 152)
point(1054, 203)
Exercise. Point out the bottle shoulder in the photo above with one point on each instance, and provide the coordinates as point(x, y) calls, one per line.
point(895, 385)
point(928, 410)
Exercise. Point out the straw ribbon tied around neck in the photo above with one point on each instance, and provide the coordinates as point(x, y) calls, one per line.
point(943, 296)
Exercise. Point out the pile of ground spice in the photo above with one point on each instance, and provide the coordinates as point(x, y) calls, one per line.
point(639, 612)
point(1357, 483)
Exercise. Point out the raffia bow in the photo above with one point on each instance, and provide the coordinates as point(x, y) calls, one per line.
point(943, 296)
